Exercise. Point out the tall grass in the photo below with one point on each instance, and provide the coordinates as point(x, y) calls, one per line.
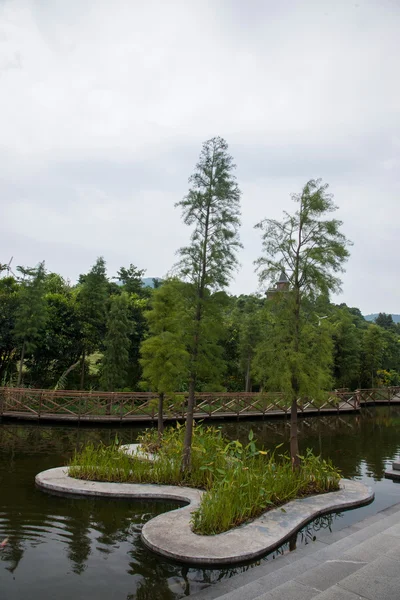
point(256, 483)
point(241, 482)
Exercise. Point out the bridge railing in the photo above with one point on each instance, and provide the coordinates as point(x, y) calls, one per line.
point(76, 405)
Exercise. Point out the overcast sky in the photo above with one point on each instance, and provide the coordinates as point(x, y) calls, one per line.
point(104, 106)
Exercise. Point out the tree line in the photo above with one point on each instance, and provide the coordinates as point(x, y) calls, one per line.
point(188, 333)
point(45, 321)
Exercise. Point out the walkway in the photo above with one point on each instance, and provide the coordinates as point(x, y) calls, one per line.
point(360, 562)
point(141, 407)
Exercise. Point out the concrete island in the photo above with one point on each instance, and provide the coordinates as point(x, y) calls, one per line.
point(170, 534)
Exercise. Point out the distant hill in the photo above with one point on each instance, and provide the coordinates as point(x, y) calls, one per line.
point(148, 281)
point(372, 317)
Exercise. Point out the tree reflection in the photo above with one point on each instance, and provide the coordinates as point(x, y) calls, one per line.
point(86, 527)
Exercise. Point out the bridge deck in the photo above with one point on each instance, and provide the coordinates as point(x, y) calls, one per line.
point(136, 407)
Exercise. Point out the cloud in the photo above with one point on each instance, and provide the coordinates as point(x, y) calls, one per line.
point(104, 106)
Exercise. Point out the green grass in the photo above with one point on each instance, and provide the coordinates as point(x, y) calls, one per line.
point(241, 482)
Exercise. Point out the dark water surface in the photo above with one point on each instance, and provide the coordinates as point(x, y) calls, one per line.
point(63, 548)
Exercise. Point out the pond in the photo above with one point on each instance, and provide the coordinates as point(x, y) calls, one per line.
point(90, 548)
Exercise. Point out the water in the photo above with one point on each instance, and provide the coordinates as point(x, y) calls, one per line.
point(90, 548)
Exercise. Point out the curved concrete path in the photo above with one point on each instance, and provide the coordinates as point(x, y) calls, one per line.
point(170, 534)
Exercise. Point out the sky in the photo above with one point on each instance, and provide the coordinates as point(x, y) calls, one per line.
point(104, 107)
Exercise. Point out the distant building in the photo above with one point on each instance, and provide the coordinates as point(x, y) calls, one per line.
point(281, 285)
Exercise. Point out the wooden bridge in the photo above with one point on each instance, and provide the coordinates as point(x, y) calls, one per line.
point(136, 407)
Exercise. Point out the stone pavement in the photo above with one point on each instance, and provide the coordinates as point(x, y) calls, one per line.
point(361, 562)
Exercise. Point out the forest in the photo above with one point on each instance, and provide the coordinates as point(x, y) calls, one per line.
point(186, 333)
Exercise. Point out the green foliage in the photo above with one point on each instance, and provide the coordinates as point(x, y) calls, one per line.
point(249, 319)
point(131, 278)
point(310, 250)
point(55, 284)
point(31, 313)
point(385, 321)
point(241, 481)
point(387, 378)
point(280, 354)
point(8, 310)
point(92, 298)
point(115, 360)
point(165, 358)
point(212, 208)
point(373, 345)
point(255, 483)
point(59, 344)
point(347, 341)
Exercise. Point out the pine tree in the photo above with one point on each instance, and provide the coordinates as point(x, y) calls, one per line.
point(132, 279)
point(31, 313)
point(372, 353)
point(8, 309)
point(310, 250)
point(92, 305)
point(248, 315)
point(115, 359)
point(212, 209)
point(347, 349)
point(164, 354)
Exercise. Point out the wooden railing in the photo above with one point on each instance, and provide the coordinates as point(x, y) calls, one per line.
point(25, 403)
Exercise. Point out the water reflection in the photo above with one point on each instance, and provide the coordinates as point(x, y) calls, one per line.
point(371, 437)
point(62, 547)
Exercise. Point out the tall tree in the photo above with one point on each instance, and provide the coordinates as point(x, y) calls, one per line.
point(31, 312)
point(92, 303)
point(212, 209)
point(347, 349)
point(132, 279)
point(373, 346)
point(59, 345)
point(385, 321)
point(310, 249)
point(8, 309)
point(279, 354)
point(249, 320)
point(164, 354)
point(115, 359)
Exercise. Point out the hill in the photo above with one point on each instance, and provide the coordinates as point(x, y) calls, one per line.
point(372, 317)
point(149, 281)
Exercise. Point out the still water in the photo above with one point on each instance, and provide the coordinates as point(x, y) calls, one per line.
point(90, 548)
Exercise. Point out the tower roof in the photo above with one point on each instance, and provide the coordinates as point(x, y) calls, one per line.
point(283, 278)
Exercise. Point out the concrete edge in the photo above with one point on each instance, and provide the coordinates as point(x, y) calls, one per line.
point(392, 474)
point(170, 533)
point(251, 540)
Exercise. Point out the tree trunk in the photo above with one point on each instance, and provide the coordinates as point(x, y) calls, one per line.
point(21, 363)
point(109, 402)
point(187, 447)
point(83, 370)
point(160, 417)
point(248, 376)
point(294, 440)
